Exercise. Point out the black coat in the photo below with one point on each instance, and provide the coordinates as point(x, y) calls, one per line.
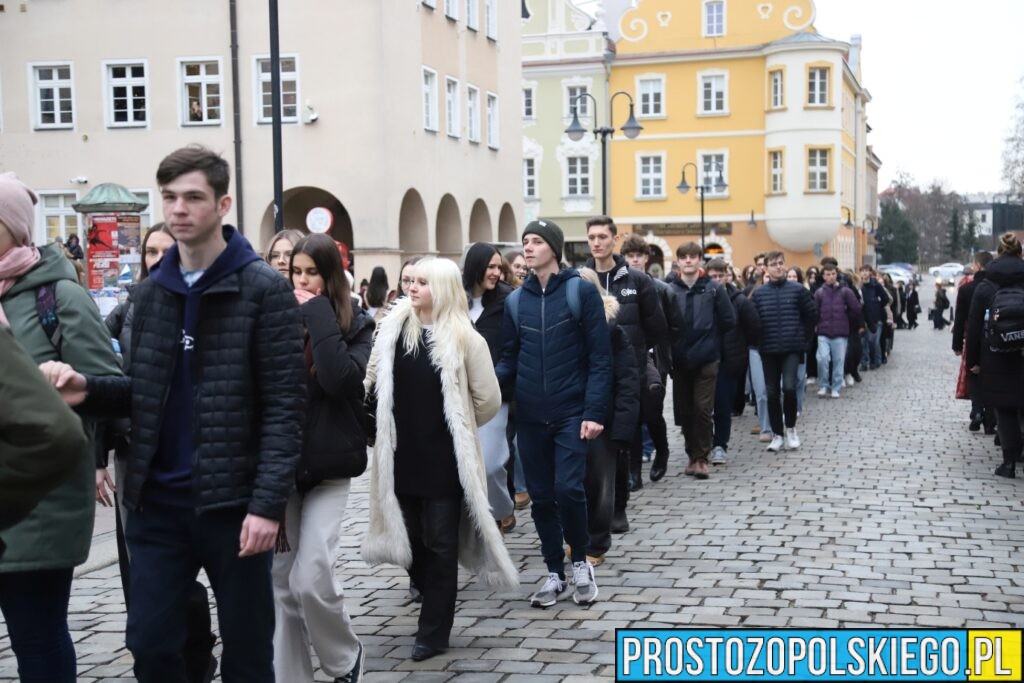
point(1002, 374)
point(250, 389)
point(700, 316)
point(624, 408)
point(489, 325)
point(964, 295)
point(788, 316)
point(640, 312)
point(334, 438)
point(738, 340)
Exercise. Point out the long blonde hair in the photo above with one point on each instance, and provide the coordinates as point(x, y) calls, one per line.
point(611, 304)
point(450, 309)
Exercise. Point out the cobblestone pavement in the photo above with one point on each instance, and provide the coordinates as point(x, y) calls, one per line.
point(889, 515)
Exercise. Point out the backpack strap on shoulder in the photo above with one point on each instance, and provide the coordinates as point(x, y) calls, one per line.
point(46, 309)
point(512, 302)
point(572, 298)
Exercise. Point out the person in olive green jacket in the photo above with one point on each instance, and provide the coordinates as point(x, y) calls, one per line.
point(41, 439)
point(44, 548)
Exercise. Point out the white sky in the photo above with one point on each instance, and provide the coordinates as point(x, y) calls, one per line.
point(943, 76)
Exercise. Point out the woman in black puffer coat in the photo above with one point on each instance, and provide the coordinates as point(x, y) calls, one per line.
point(1002, 374)
point(486, 292)
point(309, 607)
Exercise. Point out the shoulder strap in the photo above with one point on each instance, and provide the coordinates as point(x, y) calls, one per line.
point(572, 297)
point(46, 309)
point(512, 301)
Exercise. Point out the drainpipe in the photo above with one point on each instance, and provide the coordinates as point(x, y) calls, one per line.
point(236, 116)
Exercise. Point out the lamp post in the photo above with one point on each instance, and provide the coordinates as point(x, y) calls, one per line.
point(849, 218)
point(684, 187)
point(576, 131)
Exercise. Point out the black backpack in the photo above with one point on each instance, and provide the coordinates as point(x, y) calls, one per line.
point(1005, 329)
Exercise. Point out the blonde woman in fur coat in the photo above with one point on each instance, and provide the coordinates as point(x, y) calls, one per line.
point(434, 383)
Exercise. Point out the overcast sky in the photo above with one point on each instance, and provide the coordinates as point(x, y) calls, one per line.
point(943, 76)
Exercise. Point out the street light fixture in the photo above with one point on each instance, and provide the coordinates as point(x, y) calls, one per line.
point(849, 221)
point(576, 131)
point(719, 186)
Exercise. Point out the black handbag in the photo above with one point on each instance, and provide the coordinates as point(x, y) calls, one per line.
point(370, 416)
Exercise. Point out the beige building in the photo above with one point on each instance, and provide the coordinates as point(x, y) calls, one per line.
point(401, 118)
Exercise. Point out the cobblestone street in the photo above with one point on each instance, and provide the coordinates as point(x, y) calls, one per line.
point(889, 515)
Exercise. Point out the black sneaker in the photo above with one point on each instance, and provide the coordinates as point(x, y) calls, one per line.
point(354, 675)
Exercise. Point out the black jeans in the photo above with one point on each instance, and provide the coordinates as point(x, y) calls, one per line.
point(987, 416)
point(780, 368)
point(35, 607)
point(168, 546)
point(600, 485)
point(1008, 424)
point(433, 528)
point(652, 414)
point(724, 398)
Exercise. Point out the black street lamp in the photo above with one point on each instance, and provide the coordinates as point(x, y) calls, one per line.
point(849, 218)
point(576, 131)
point(684, 187)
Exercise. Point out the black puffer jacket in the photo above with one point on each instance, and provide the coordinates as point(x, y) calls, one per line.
point(964, 296)
point(334, 439)
point(738, 340)
point(624, 408)
point(489, 326)
point(1002, 374)
point(640, 313)
point(787, 314)
point(250, 389)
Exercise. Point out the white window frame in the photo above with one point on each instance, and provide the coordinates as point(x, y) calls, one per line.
point(202, 80)
point(493, 120)
point(473, 113)
point(816, 97)
point(42, 212)
point(705, 17)
point(130, 82)
point(712, 75)
point(656, 185)
point(711, 193)
point(259, 79)
point(582, 105)
point(452, 107)
point(818, 172)
point(428, 98)
point(451, 9)
point(530, 176)
point(776, 174)
point(34, 87)
point(529, 113)
point(491, 19)
point(146, 216)
point(430, 3)
point(660, 113)
point(473, 14)
point(581, 177)
point(776, 100)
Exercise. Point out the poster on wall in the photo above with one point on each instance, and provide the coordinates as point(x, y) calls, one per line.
point(129, 238)
point(102, 251)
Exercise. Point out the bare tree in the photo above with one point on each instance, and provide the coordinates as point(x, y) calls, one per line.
point(1013, 153)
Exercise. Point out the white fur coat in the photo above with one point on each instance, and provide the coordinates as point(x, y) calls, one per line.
point(471, 397)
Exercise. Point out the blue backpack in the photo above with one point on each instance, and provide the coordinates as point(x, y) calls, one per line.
point(572, 298)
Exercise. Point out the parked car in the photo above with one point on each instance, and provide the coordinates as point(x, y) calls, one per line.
point(897, 273)
point(947, 271)
point(909, 267)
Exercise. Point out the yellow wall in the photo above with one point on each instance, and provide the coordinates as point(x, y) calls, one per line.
point(744, 25)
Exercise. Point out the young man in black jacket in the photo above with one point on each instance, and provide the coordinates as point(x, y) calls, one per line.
point(216, 392)
point(964, 294)
point(640, 316)
point(701, 316)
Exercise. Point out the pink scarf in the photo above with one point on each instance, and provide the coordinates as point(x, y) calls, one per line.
point(13, 265)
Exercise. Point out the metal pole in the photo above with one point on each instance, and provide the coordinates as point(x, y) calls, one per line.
point(701, 188)
point(604, 174)
point(275, 87)
point(236, 116)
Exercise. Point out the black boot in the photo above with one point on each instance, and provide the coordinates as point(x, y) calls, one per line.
point(1007, 470)
point(636, 477)
point(659, 466)
point(620, 523)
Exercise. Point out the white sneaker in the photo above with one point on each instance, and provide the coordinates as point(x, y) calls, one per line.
point(849, 381)
point(717, 455)
point(823, 392)
point(792, 440)
point(584, 589)
point(776, 445)
point(549, 591)
point(835, 393)
point(811, 381)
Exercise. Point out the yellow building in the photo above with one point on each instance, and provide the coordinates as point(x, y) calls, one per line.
point(744, 94)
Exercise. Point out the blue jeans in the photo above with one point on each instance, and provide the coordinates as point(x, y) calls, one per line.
point(555, 464)
point(831, 350)
point(35, 607)
point(760, 390)
point(871, 347)
point(168, 546)
point(801, 387)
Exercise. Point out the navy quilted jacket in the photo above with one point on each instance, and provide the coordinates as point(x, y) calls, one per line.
point(788, 315)
point(249, 385)
point(561, 367)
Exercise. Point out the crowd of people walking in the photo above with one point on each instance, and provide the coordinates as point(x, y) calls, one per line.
point(246, 390)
